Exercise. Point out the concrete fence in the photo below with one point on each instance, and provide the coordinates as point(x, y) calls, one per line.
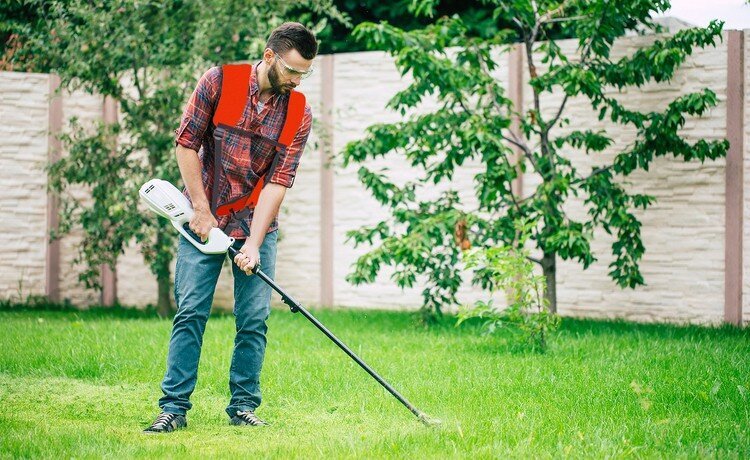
point(697, 257)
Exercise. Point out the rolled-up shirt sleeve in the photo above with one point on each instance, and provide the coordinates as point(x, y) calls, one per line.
point(196, 117)
point(286, 169)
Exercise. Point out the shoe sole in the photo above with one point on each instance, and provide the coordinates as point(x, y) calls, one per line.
point(246, 424)
point(164, 432)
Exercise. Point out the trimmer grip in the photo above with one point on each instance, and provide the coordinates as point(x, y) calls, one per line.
point(217, 242)
point(233, 253)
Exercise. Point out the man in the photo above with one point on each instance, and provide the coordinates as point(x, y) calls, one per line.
point(287, 58)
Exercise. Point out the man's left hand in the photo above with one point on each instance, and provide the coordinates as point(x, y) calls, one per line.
point(248, 257)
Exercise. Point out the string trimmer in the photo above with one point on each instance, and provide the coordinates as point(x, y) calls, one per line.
point(164, 199)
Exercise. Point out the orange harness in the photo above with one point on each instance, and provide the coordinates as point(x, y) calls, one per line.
point(235, 87)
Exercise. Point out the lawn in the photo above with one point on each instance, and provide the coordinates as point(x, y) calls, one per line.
point(85, 385)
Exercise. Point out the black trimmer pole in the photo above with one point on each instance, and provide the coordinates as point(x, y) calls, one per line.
point(295, 307)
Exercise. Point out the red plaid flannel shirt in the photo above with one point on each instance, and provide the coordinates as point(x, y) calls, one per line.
point(245, 159)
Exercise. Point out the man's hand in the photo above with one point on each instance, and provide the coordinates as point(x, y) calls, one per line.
point(202, 223)
point(248, 257)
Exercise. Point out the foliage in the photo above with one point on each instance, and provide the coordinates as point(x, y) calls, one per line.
point(145, 55)
point(336, 36)
point(507, 269)
point(428, 231)
point(476, 121)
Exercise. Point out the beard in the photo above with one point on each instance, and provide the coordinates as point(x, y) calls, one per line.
point(276, 86)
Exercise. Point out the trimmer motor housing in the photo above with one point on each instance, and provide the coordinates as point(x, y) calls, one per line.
point(164, 199)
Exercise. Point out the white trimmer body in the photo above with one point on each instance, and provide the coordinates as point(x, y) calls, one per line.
point(164, 199)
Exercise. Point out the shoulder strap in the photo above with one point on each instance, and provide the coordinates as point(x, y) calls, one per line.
point(295, 110)
point(235, 87)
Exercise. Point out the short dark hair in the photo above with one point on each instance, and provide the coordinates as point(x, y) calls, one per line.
point(293, 35)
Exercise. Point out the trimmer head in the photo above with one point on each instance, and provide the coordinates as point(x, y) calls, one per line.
point(429, 421)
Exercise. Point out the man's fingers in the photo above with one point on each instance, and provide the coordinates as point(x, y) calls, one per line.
point(243, 262)
point(247, 262)
point(201, 234)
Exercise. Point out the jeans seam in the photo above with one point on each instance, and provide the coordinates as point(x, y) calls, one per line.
point(177, 276)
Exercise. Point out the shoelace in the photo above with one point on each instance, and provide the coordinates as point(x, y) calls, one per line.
point(163, 420)
point(250, 418)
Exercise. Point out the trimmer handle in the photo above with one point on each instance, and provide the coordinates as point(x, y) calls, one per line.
point(217, 242)
point(233, 253)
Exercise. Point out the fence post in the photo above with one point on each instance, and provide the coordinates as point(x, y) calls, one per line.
point(734, 178)
point(109, 275)
point(52, 253)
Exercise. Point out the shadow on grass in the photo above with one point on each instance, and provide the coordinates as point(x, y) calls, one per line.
point(600, 327)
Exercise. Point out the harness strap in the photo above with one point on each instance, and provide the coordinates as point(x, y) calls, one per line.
point(235, 87)
point(234, 90)
point(279, 146)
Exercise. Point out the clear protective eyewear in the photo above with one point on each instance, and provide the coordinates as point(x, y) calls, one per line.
point(291, 71)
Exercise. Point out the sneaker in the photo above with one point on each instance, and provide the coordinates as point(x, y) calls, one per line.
point(247, 417)
point(166, 423)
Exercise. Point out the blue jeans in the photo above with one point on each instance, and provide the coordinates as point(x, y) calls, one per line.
point(195, 282)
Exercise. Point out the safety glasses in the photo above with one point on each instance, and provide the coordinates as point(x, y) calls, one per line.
point(291, 71)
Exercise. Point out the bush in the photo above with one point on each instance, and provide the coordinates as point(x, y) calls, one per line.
point(527, 315)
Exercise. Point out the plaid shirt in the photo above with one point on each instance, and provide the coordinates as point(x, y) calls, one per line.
point(245, 159)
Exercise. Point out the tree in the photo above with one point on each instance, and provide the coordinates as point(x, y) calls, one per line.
point(337, 37)
point(145, 55)
point(474, 121)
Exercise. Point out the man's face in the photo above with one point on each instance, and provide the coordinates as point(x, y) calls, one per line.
point(286, 72)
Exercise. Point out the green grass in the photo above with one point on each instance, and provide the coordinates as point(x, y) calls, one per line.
point(85, 384)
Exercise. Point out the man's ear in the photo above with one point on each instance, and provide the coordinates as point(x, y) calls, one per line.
point(268, 55)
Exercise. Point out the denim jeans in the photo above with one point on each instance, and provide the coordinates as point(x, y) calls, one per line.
point(195, 281)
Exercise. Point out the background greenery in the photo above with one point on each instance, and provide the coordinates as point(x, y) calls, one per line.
point(145, 56)
point(456, 112)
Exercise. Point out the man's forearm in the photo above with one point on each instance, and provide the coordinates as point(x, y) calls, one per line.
point(190, 169)
point(268, 206)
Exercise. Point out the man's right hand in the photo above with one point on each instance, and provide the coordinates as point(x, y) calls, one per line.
point(202, 223)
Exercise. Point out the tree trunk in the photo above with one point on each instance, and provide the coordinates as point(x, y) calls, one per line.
point(164, 282)
point(550, 272)
point(164, 304)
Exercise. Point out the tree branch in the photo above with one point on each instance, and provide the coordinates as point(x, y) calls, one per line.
point(572, 18)
point(593, 173)
point(548, 16)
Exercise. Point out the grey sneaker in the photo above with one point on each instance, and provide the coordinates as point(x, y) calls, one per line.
point(166, 423)
point(247, 417)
